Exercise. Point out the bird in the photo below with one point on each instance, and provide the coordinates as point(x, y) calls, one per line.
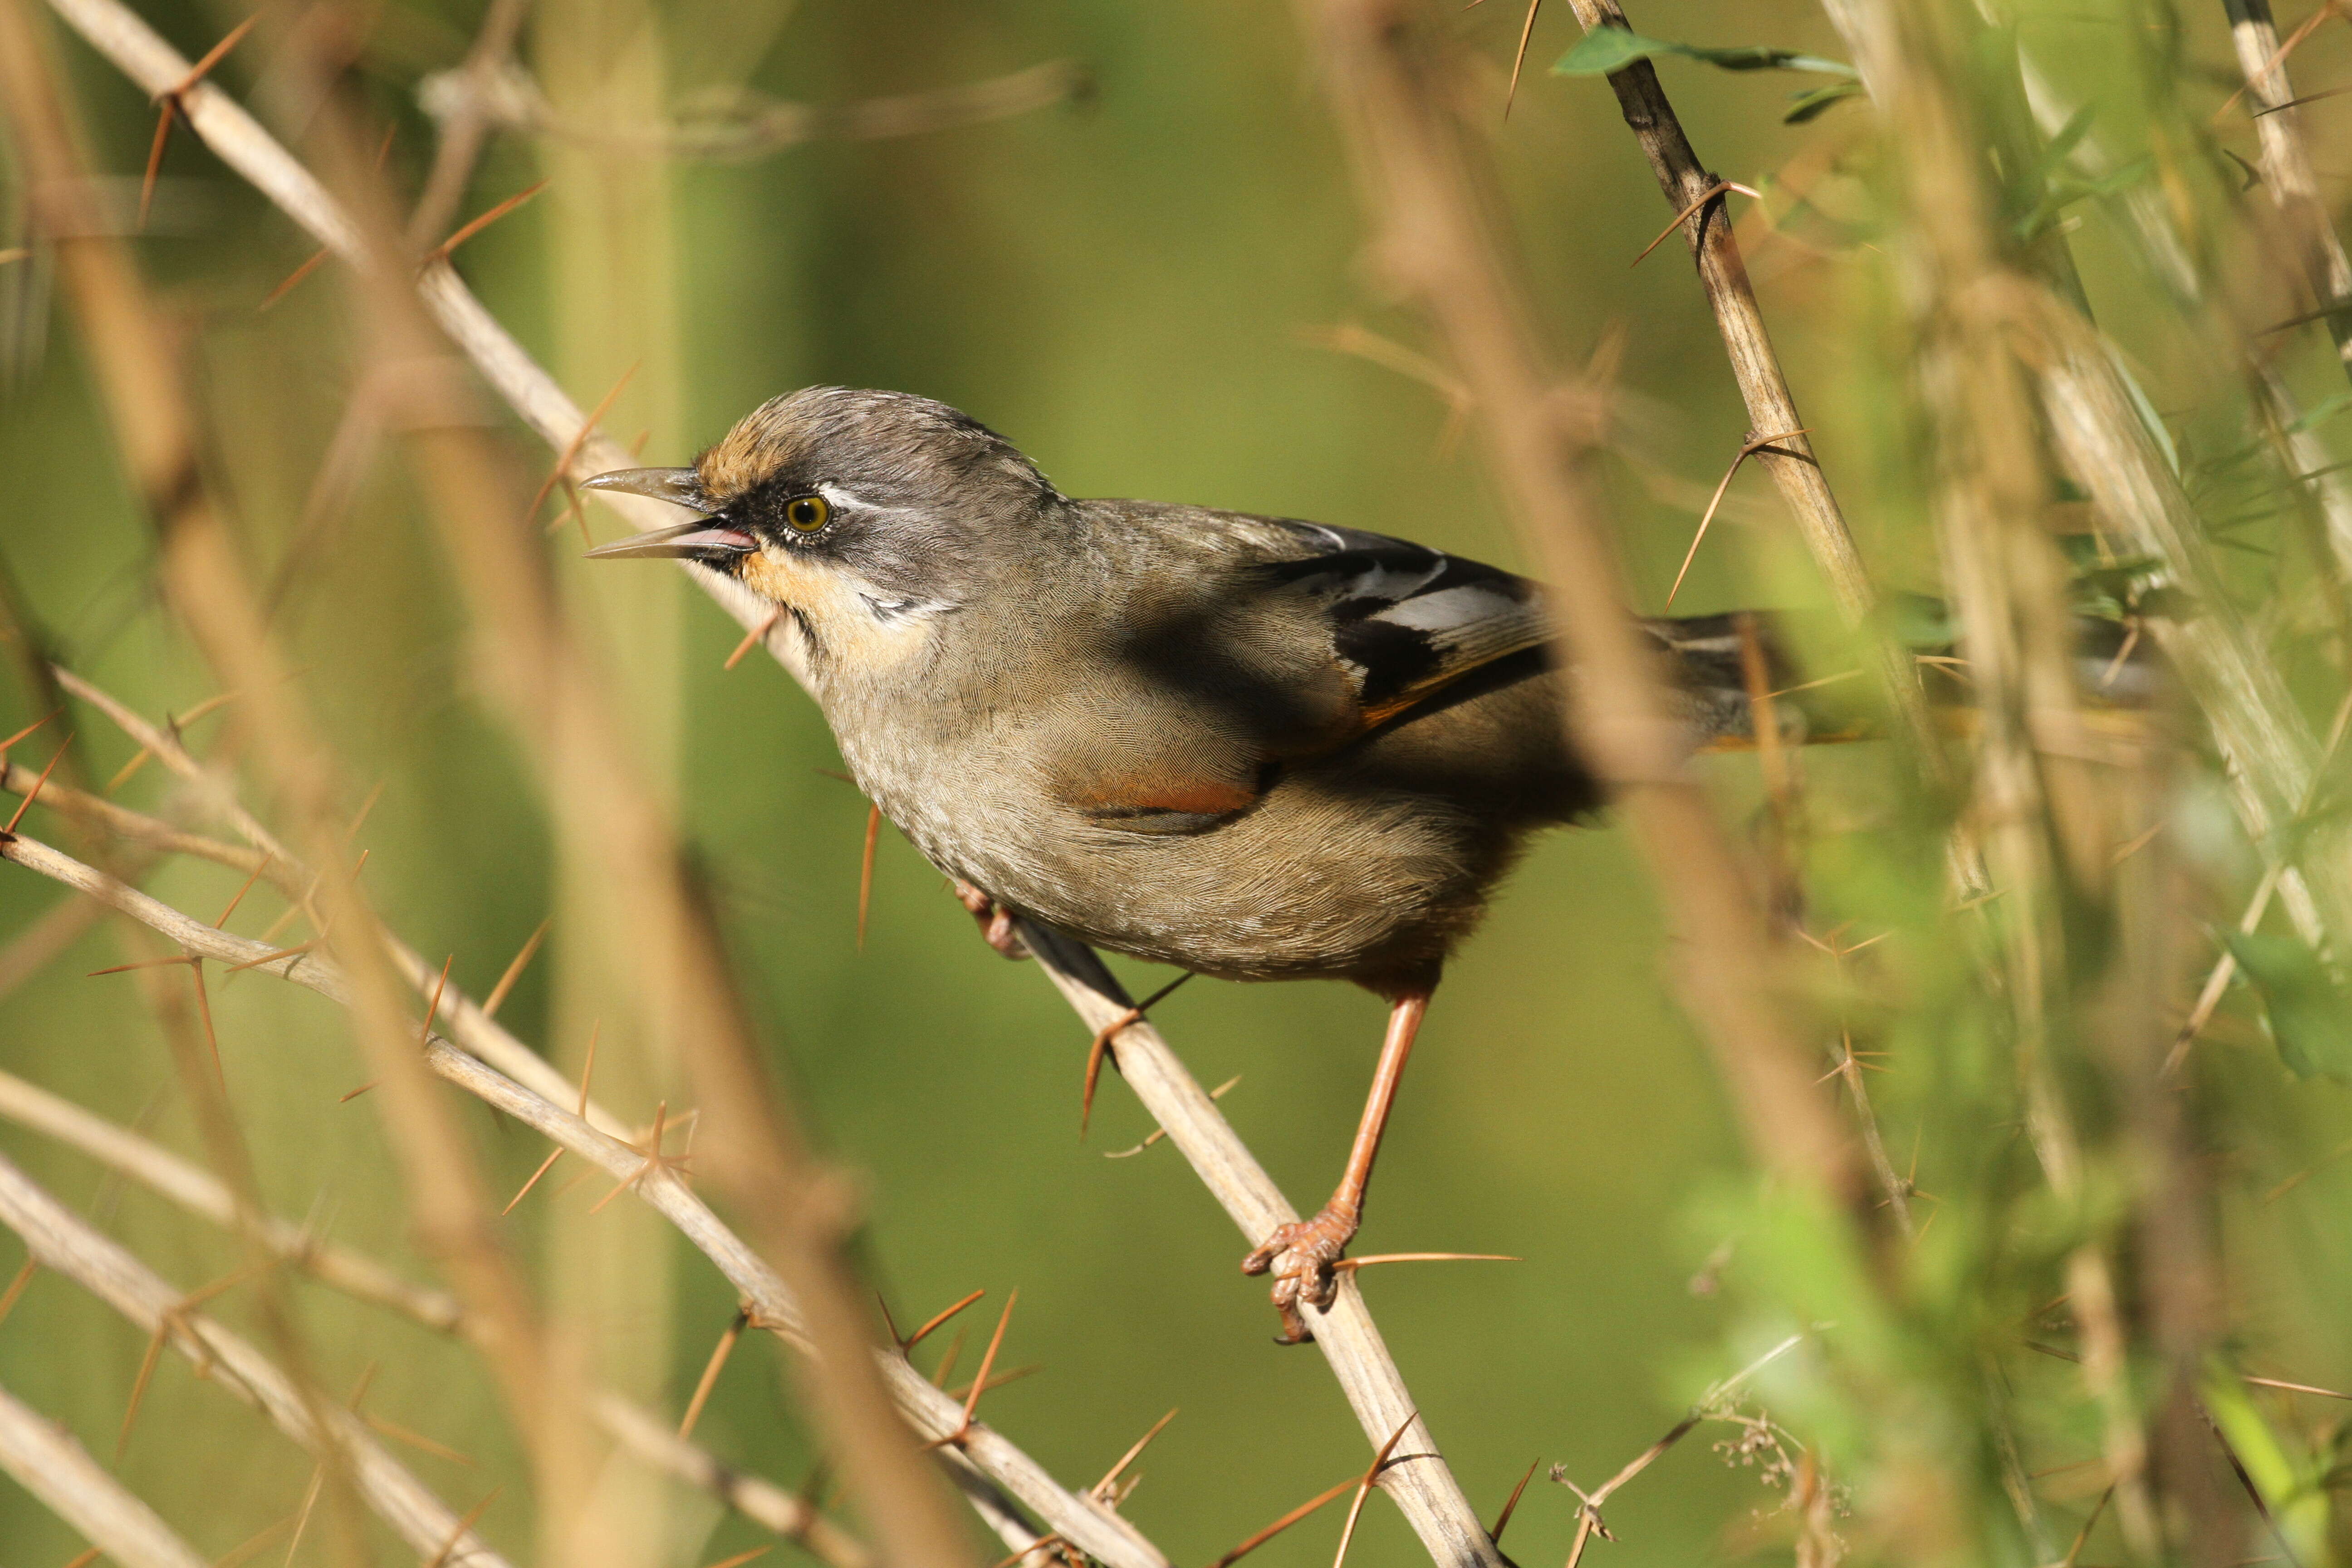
point(1252, 747)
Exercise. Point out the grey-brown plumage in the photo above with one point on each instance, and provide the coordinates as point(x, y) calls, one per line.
point(1257, 748)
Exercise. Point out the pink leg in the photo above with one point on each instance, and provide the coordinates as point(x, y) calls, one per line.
point(1314, 1245)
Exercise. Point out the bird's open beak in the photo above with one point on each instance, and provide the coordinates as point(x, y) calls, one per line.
point(688, 540)
point(679, 486)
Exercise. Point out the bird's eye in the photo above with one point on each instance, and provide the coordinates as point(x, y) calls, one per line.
point(808, 513)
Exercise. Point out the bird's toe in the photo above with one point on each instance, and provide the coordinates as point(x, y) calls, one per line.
point(1309, 1253)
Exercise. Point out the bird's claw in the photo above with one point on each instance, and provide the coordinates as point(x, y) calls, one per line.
point(1313, 1248)
point(997, 921)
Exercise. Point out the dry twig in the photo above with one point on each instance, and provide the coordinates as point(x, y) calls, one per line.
point(503, 95)
point(1690, 189)
point(2287, 173)
point(46, 1461)
point(361, 1277)
point(68, 1245)
point(171, 1177)
point(981, 1458)
point(1390, 84)
point(757, 1501)
point(1426, 1493)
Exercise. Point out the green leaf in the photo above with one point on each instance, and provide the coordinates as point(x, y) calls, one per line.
point(2325, 409)
point(2294, 1485)
point(2070, 136)
point(1812, 105)
point(2310, 1016)
point(2066, 190)
point(1606, 50)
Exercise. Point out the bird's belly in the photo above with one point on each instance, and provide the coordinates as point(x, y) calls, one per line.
point(1311, 881)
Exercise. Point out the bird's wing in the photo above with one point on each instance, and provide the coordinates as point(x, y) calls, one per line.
point(1404, 621)
point(1320, 637)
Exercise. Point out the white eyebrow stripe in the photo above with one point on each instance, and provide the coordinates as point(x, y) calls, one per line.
point(839, 497)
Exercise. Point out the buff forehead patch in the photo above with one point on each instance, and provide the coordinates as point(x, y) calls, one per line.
point(747, 455)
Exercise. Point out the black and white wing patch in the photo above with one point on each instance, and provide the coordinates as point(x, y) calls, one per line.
point(1406, 620)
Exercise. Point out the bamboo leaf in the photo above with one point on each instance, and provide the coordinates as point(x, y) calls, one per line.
point(1810, 106)
point(1606, 50)
point(2309, 1015)
point(2325, 409)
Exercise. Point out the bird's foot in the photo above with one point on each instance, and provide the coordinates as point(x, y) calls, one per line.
point(1311, 1250)
point(996, 924)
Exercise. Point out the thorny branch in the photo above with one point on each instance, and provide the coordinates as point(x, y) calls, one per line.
point(1388, 79)
point(2287, 170)
point(362, 1278)
point(140, 392)
point(749, 127)
point(46, 1461)
point(469, 1023)
point(1698, 194)
point(64, 1242)
point(198, 1191)
point(932, 1413)
point(1425, 1491)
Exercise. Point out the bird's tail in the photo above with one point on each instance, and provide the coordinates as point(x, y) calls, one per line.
point(1722, 664)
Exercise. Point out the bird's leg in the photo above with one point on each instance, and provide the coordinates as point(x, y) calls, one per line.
point(995, 920)
point(1313, 1246)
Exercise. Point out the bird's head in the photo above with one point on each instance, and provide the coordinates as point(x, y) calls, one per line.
point(861, 514)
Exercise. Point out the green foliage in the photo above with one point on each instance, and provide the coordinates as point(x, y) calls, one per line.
point(1811, 105)
point(1607, 49)
point(2305, 1005)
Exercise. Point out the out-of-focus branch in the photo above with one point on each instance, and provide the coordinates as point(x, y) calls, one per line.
point(139, 389)
point(2168, 254)
point(535, 397)
point(2110, 452)
point(763, 1502)
point(544, 679)
point(1359, 1361)
point(165, 1174)
point(287, 872)
point(2007, 361)
point(98, 811)
point(466, 124)
point(1771, 406)
point(1387, 82)
point(981, 1452)
point(753, 127)
point(363, 1278)
point(137, 50)
point(1388, 87)
point(64, 1242)
point(46, 1461)
point(2286, 167)
point(470, 1026)
point(206, 586)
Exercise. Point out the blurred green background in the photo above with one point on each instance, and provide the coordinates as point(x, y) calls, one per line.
point(1138, 288)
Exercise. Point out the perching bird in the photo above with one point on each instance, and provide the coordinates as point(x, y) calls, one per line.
point(1252, 747)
